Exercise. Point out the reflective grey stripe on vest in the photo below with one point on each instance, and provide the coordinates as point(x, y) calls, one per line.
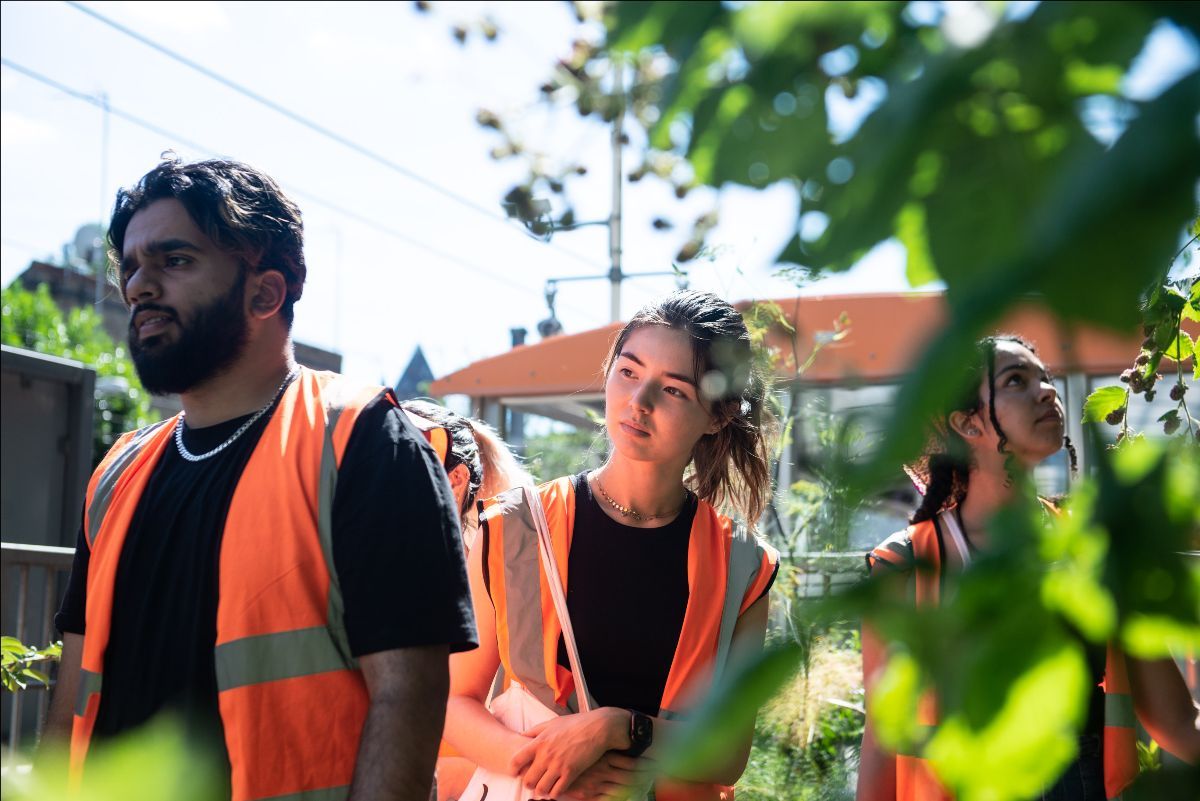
point(308, 651)
point(325, 492)
point(1118, 710)
point(271, 657)
point(523, 591)
point(108, 481)
point(89, 685)
point(744, 559)
point(324, 794)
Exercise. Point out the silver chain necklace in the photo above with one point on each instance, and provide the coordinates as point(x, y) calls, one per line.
point(194, 457)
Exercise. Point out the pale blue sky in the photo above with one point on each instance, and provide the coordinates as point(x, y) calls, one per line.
point(449, 277)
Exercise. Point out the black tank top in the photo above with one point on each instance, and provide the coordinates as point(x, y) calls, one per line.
point(627, 591)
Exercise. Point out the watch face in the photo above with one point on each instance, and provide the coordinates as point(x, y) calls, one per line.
point(642, 730)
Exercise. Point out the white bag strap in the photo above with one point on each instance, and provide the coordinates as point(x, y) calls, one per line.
point(546, 549)
point(950, 521)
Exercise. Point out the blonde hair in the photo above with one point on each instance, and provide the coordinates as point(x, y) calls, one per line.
point(491, 466)
point(501, 468)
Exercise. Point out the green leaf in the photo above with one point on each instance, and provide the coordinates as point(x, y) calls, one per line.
point(910, 230)
point(1102, 402)
point(1156, 636)
point(1007, 759)
point(1181, 349)
point(720, 722)
point(892, 704)
point(1076, 549)
point(37, 675)
point(1086, 79)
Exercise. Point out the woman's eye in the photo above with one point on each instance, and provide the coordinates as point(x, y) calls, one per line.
point(675, 391)
point(625, 371)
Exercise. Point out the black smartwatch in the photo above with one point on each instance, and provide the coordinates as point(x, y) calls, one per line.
point(641, 733)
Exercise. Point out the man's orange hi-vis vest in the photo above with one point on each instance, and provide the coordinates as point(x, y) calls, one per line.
point(915, 780)
point(728, 570)
point(291, 698)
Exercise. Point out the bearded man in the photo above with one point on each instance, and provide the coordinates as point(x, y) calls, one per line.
point(278, 566)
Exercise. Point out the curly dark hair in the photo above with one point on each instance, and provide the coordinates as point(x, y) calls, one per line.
point(238, 207)
point(945, 465)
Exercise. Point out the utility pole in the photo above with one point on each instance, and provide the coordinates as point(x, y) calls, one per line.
point(100, 259)
point(615, 275)
point(614, 222)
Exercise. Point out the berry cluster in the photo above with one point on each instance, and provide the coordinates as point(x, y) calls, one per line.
point(1164, 339)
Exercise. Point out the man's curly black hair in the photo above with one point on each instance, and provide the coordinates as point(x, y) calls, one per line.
point(238, 207)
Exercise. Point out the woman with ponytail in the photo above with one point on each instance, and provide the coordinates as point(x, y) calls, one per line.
point(479, 465)
point(662, 589)
point(1012, 418)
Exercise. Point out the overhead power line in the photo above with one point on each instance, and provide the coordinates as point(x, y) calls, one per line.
point(315, 126)
point(339, 209)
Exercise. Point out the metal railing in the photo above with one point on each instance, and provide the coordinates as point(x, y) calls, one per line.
point(34, 568)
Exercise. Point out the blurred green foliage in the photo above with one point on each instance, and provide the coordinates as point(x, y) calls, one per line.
point(564, 453)
point(149, 764)
point(34, 321)
point(982, 155)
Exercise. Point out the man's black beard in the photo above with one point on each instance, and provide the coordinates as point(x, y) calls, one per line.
point(206, 346)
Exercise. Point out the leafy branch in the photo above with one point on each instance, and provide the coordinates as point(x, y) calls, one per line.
point(1163, 317)
point(19, 661)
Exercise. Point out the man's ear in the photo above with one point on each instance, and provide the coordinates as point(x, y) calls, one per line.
point(460, 480)
point(269, 293)
point(966, 425)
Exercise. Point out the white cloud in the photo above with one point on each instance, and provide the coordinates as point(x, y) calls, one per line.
point(354, 50)
point(17, 130)
point(182, 16)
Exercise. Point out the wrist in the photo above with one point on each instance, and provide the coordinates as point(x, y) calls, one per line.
point(617, 728)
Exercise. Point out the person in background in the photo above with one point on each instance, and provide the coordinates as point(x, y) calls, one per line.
point(478, 464)
point(1012, 417)
point(241, 564)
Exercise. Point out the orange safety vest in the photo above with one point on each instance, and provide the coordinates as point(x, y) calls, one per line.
point(728, 570)
point(915, 780)
point(437, 436)
point(291, 697)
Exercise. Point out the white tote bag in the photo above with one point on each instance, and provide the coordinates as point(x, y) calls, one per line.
point(516, 707)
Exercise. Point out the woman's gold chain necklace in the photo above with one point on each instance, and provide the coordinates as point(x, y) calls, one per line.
point(627, 511)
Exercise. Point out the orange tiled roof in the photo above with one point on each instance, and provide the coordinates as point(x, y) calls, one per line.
point(887, 331)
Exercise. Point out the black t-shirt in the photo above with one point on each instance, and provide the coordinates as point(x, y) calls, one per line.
point(396, 549)
point(627, 591)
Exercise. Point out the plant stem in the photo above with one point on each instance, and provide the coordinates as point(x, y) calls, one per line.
point(1182, 249)
point(1182, 386)
point(1125, 418)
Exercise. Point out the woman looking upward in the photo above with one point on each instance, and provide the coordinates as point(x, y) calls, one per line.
point(1012, 418)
